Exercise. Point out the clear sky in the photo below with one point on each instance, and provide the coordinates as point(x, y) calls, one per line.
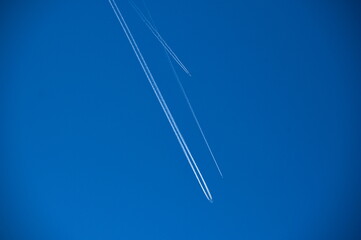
point(87, 153)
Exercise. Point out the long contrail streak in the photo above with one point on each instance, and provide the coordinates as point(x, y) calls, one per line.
point(159, 37)
point(193, 114)
point(153, 26)
point(162, 102)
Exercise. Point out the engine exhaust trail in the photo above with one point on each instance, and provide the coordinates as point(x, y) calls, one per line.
point(185, 95)
point(194, 114)
point(202, 183)
point(159, 37)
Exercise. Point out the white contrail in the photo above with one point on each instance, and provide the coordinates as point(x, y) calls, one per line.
point(159, 37)
point(153, 26)
point(162, 102)
point(193, 114)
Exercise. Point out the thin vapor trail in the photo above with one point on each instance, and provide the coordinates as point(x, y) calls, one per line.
point(162, 102)
point(159, 37)
point(184, 93)
point(193, 113)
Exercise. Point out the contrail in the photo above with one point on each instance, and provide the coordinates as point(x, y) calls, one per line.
point(162, 102)
point(159, 37)
point(193, 114)
point(151, 22)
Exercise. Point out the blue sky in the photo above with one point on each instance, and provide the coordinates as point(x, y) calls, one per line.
point(87, 153)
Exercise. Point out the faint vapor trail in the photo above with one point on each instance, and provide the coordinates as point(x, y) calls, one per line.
point(151, 22)
point(159, 37)
point(162, 102)
point(193, 113)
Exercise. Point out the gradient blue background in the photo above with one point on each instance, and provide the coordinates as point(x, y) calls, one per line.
point(87, 153)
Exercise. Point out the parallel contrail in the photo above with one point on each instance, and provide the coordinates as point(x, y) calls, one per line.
point(153, 26)
point(159, 37)
point(162, 102)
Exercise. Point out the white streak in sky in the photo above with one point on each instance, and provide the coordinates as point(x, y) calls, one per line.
point(193, 113)
point(159, 37)
point(153, 26)
point(162, 102)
